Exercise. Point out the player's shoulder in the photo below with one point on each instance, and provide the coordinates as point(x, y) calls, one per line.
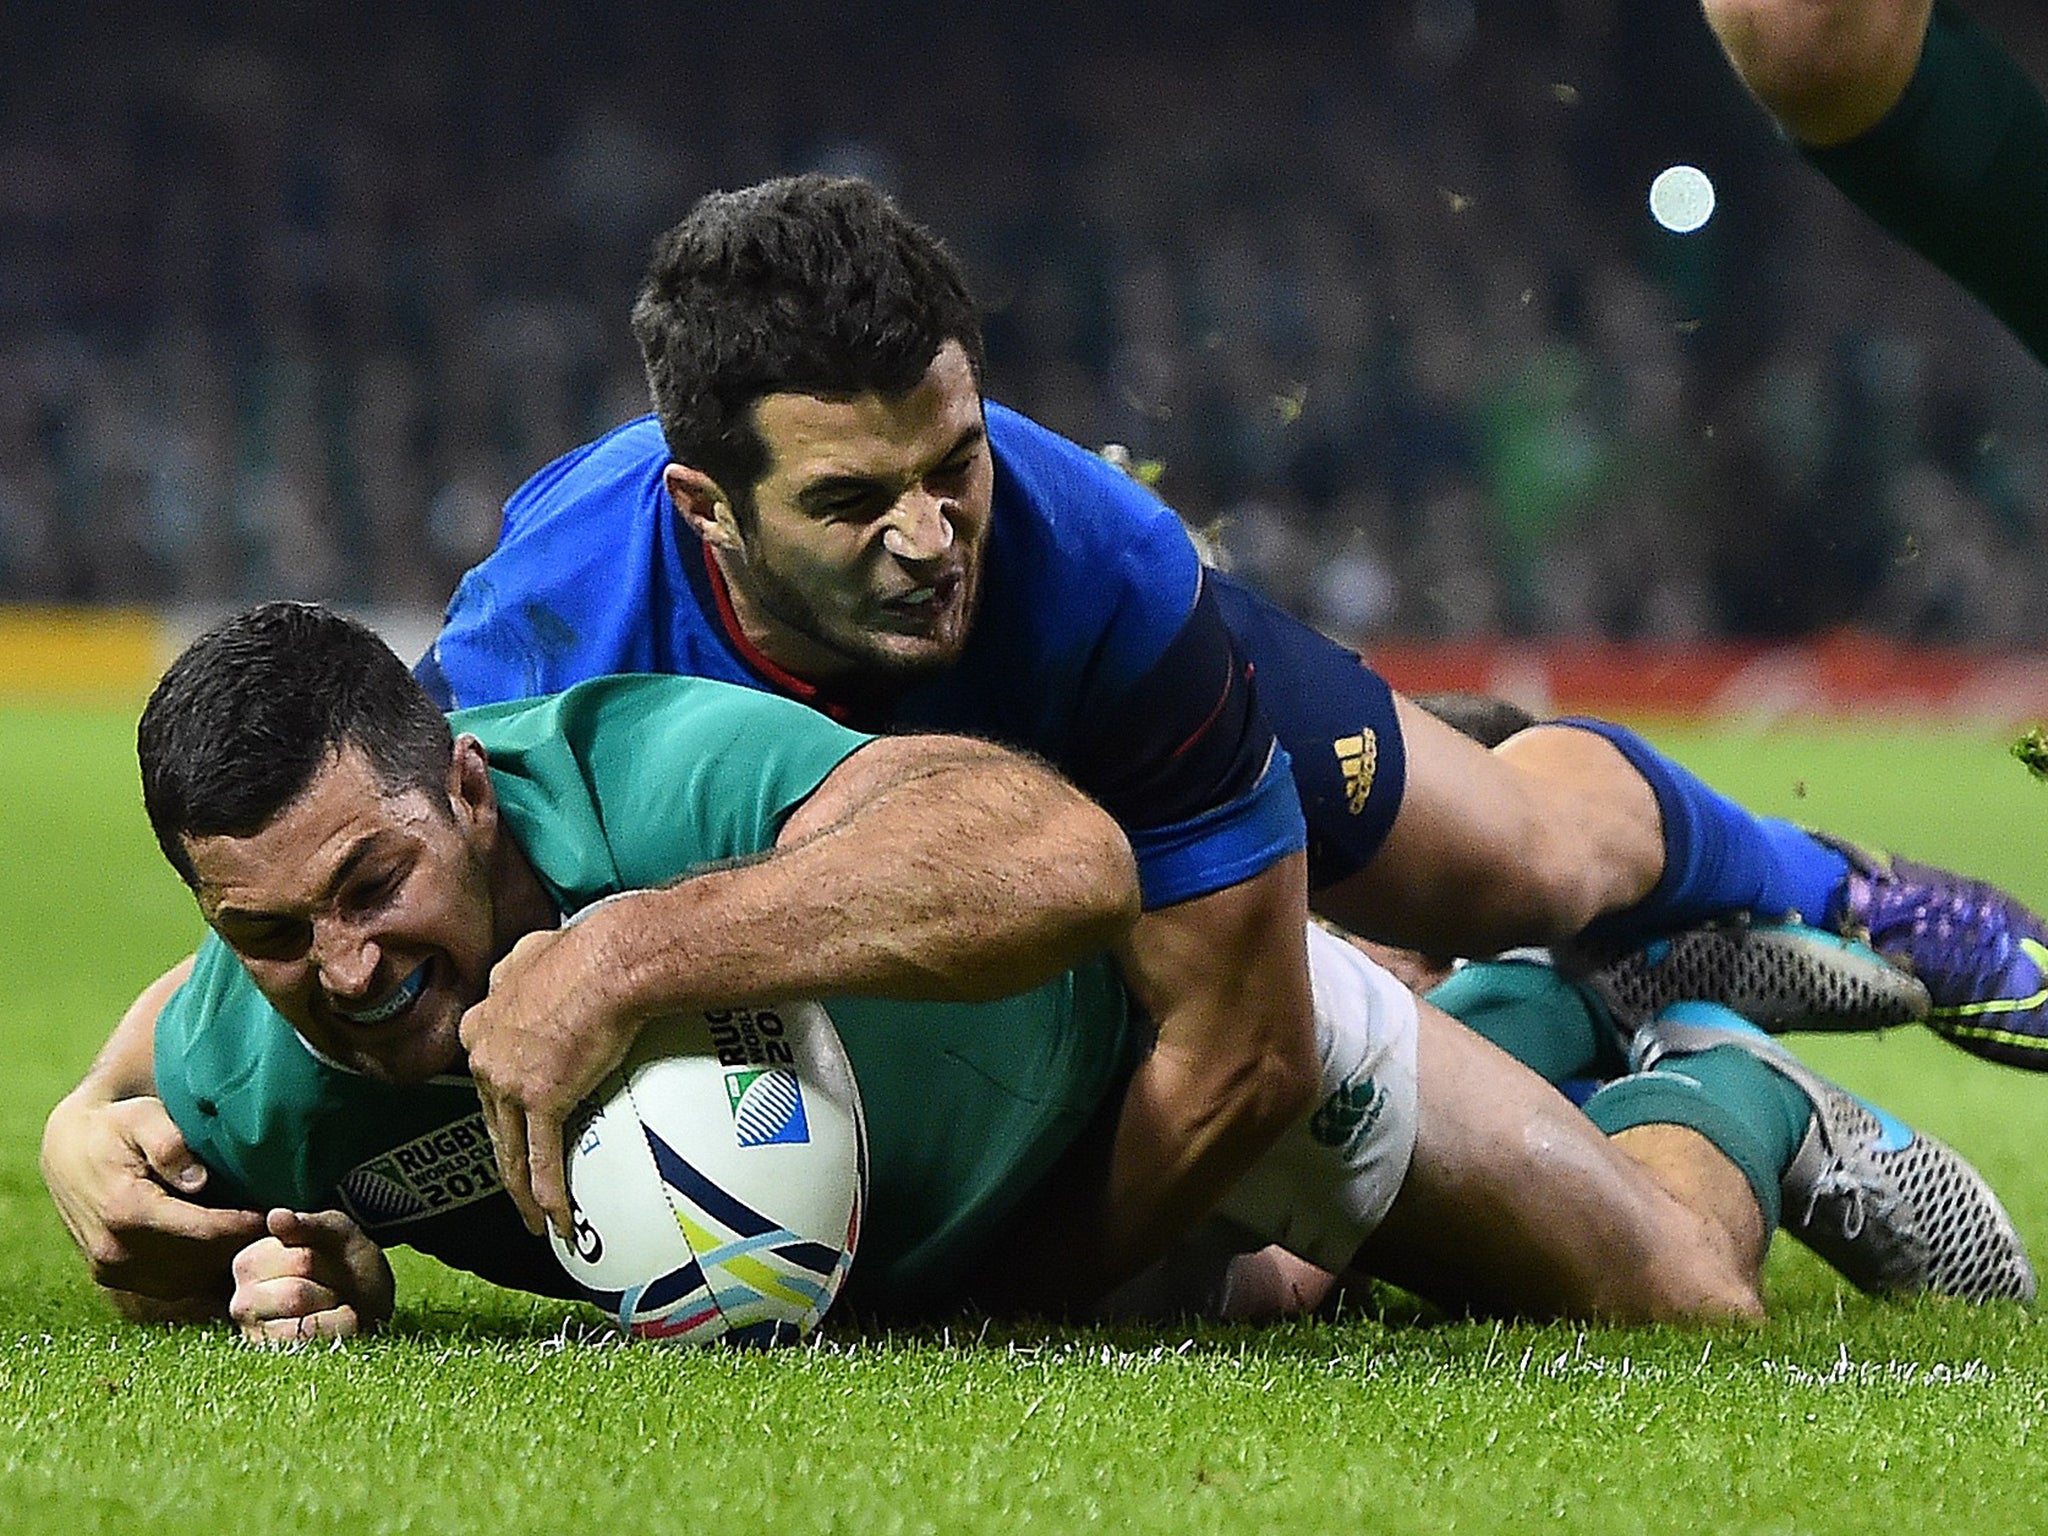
point(219, 1025)
point(1077, 542)
point(1067, 484)
point(620, 472)
point(604, 733)
point(1082, 512)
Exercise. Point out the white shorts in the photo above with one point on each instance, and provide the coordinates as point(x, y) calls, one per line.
point(1325, 1185)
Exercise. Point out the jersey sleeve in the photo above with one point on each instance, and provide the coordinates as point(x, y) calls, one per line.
point(627, 782)
point(230, 1072)
point(1188, 764)
point(1163, 726)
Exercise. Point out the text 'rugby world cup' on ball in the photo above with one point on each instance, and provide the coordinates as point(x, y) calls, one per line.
point(717, 1178)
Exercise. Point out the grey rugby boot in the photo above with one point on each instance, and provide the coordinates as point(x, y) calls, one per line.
point(1781, 976)
point(1896, 1212)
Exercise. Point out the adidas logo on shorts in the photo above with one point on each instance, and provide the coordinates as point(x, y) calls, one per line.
point(1358, 756)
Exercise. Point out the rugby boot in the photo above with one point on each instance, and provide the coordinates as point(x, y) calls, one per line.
point(1982, 955)
point(1782, 976)
point(1896, 1212)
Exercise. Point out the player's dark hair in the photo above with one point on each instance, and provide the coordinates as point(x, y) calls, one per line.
point(1486, 719)
point(255, 707)
point(811, 285)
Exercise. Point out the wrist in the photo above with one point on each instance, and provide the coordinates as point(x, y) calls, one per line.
point(628, 960)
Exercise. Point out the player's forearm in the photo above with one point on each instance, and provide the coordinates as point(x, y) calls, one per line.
point(127, 1186)
point(960, 875)
point(124, 1069)
point(1177, 1145)
point(1224, 980)
point(1185, 1135)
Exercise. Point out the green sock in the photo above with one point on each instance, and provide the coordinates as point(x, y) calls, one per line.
point(1753, 1116)
point(1958, 170)
point(1553, 1028)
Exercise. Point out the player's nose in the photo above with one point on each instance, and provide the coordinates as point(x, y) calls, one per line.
point(920, 527)
point(346, 960)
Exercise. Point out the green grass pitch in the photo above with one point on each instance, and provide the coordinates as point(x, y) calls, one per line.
point(488, 1412)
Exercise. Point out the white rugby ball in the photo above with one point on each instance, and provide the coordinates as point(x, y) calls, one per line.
point(717, 1178)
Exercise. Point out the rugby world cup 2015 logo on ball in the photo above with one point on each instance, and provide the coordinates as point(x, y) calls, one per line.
point(717, 1178)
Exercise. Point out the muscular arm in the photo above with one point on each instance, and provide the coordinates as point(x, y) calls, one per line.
point(1225, 980)
point(921, 867)
point(124, 1181)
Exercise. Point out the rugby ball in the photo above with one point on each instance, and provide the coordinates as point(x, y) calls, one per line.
point(716, 1179)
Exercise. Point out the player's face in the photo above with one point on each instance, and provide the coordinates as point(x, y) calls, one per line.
point(863, 556)
point(364, 916)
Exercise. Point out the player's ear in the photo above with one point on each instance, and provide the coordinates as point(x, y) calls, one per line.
point(470, 792)
point(705, 509)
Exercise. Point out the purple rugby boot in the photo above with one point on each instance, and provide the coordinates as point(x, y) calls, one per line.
point(1982, 954)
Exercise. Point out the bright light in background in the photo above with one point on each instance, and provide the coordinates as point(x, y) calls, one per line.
point(1681, 198)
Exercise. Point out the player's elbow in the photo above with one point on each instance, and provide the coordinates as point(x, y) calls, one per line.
point(1293, 1080)
point(1089, 862)
point(1276, 1086)
point(107, 1257)
point(1114, 901)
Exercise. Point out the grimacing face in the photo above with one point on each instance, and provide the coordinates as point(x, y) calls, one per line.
point(862, 559)
point(364, 916)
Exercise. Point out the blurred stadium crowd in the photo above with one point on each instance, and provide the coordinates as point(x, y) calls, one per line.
point(291, 298)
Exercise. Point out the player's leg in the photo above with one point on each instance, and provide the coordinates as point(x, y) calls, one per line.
point(1826, 69)
point(1982, 955)
point(1456, 1171)
point(1420, 837)
point(1563, 826)
point(1894, 1210)
point(1516, 1204)
point(1443, 1165)
point(1484, 854)
point(1925, 121)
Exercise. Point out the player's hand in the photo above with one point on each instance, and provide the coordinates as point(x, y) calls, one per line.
point(315, 1276)
point(126, 1184)
point(543, 1037)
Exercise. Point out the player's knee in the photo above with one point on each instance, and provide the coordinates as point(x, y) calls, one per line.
point(1584, 829)
point(1716, 1296)
point(1552, 891)
point(1693, 1280)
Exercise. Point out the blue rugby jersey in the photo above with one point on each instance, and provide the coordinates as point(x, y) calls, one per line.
point(1095, 646)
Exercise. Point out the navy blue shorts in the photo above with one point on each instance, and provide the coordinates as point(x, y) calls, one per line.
point(1335, 717)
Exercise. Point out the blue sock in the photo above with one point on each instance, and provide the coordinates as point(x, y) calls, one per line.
point(1718, 858)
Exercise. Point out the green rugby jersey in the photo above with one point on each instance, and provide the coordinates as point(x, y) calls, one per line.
point(620, 784)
